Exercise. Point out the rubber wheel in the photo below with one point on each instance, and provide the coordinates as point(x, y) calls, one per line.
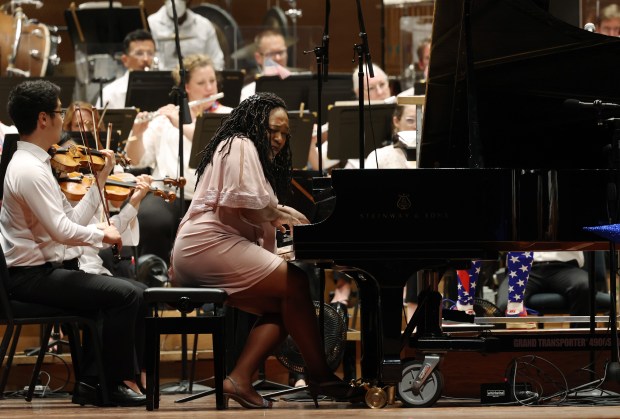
point(430, 391)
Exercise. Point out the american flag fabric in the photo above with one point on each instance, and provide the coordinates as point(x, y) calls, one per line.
point(518, 266)
point(468, 280)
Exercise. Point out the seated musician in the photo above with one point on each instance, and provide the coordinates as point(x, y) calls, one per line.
point(138, 54)
point(227, 240)
point(197, 35)
point(609, 21)
point(155, 144)
point(394, 156)
point(378, 89)
point(271, 56)
point(555, 272)
point(37, 224)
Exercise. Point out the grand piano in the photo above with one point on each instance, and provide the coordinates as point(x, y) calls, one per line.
point(503, 165)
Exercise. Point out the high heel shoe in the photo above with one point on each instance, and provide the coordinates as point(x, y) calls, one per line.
point(266, 404)
point(337, 389)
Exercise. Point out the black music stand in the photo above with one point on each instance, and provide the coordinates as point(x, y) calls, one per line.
point(338, 87)
point(206, 125)
point(296, 89)
point(300, 126)
point(344, 129)
point(102, 30)
point(231, 84)
point(122, 121)
point(149, 90)
point(293, 89)
point(66, 84)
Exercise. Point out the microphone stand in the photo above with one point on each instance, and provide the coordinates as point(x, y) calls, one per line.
point(322, 75)
point(363, 54)
point(185, 117)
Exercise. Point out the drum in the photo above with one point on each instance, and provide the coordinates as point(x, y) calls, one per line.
point(25, 46)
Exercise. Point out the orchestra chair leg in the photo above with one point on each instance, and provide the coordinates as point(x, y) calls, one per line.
point(184, 300)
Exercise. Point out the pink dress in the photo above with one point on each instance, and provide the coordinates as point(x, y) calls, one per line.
point(215, 246)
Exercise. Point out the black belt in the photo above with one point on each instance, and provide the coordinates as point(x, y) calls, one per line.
point(571, 262)
point(71, 264)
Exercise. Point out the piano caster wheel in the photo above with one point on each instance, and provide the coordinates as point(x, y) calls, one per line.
point(429, 392)
point(376, 398)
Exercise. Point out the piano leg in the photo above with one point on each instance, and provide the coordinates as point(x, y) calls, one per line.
point(381, 323)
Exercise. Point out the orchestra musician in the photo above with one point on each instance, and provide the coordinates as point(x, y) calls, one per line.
point(197, 35)
point(155, 144)
point(271, 56)
point(138, 54)
point(38, 225)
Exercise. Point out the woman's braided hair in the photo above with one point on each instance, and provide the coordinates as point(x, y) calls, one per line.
point(251, 119)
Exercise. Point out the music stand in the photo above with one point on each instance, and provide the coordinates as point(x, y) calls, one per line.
point(149, 90)
point(297, 88)
point(103, 29)
point(300, 126)
point(206, 125)
point(66, 84)
point(293, 89)
point(344, 129)
point(231, 84)
point(338, 87)
point(122, 121)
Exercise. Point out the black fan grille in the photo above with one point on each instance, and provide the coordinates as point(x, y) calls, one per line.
point(335, 336)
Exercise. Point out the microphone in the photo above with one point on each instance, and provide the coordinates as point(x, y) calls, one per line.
point(590, 27)
point(597, 104)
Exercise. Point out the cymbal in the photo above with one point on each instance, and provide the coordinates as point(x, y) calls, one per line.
point(249, 50)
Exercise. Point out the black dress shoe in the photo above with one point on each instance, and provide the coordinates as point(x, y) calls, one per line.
point(121, 395)
point(84, 394)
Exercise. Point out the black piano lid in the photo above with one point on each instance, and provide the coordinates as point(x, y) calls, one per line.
point(526, 63)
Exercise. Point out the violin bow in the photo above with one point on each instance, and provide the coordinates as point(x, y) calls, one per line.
point(104, 202)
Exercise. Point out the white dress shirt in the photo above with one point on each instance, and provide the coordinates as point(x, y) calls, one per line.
point(566, 256)
point(126, 223)
point(115, 93)
point(197, 36)
point(161, 153)
point(37, 223)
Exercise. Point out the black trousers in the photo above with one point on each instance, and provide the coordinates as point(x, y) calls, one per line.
point(117, 303)
point(159, 221)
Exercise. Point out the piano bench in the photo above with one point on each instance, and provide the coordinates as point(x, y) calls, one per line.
point(184, 300)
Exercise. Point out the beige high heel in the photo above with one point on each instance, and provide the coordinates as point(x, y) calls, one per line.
point(266, 404)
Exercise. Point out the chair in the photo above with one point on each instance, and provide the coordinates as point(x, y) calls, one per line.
point(15, 314)
point(184, 300)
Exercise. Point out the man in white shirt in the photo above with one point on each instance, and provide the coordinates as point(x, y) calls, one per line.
point(139, 51)
point(38, 226)
point(271, 57)
point(196, 35)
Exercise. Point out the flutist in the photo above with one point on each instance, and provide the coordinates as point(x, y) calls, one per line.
point(154, 143)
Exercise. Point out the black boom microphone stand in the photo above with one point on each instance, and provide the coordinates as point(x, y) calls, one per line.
point(185, 117)
point(363, 54)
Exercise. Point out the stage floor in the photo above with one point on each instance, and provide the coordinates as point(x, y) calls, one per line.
point(61, 407)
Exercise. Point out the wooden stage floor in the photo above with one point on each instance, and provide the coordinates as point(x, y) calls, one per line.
point(61, 407)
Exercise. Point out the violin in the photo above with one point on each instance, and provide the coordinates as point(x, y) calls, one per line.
point(71, 158)
point(118, 187)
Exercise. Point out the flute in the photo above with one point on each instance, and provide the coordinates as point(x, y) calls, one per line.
point(151, 115)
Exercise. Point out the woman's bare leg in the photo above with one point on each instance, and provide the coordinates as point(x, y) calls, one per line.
point(287, 285)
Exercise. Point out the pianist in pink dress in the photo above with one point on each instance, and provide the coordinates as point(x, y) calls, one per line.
point(227, 240)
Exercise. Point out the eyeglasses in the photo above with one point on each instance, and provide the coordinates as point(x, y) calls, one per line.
point(142, 53)
point(62, 113)
point(280, 53)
